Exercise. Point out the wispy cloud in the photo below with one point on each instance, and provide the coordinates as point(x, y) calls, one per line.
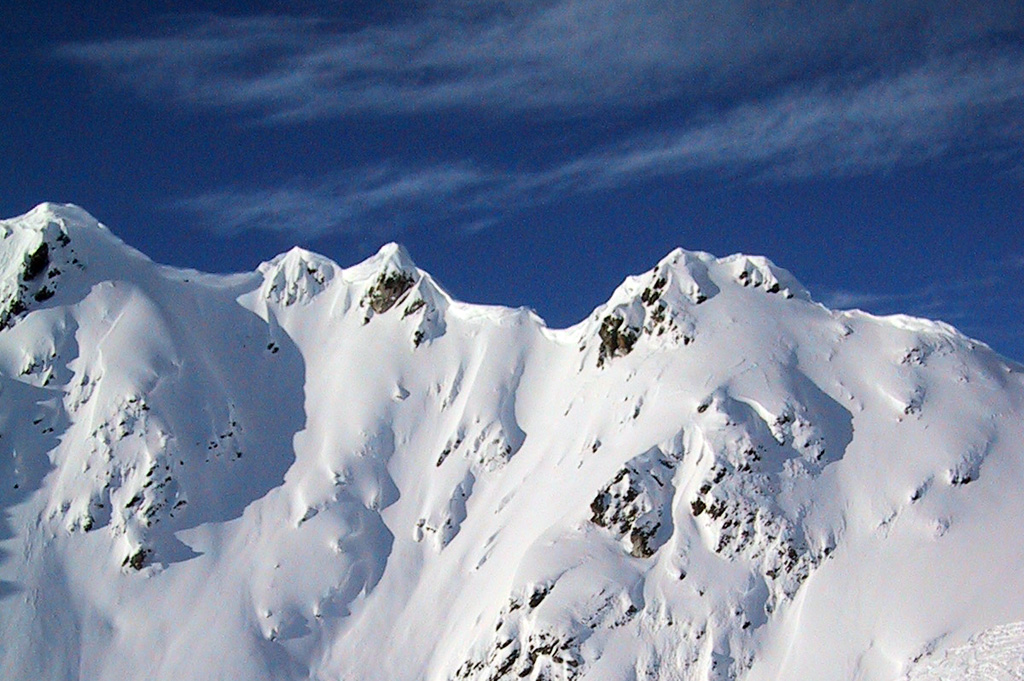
point(380, 199)
point(535, 54)
point(940, 109)
point(746, 88)
point(926, 112)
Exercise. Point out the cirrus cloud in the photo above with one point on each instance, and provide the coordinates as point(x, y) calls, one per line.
point(563, 55)
point(943, 108)
point(742, 89)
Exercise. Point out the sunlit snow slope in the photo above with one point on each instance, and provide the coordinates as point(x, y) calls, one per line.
point(309, 472)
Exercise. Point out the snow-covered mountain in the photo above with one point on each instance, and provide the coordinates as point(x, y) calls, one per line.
point(309, 472)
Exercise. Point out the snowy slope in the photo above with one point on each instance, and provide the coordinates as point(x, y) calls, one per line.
point(309, 472)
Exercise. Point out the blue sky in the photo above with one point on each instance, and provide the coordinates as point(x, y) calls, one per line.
point(537, 152)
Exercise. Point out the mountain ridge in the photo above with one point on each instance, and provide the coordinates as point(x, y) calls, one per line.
point(753, 271)
point(310, 471)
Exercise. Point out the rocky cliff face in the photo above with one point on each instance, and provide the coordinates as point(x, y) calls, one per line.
point(316, 472)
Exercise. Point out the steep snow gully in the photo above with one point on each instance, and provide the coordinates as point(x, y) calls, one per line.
point(309, 472)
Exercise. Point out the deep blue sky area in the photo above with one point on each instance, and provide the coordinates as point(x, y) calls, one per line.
point(536, 153)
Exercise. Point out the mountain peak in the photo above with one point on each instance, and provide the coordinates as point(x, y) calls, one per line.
point(48, 215)
point(661, 307)
point(296, 276)
point(695, 273)
point(38, 256)
point(756, 271)
point(683, 272)
point(391, 257)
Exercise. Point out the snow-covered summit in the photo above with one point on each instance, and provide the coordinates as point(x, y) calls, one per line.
point(66, 215)
point(296, 276)
point(316, 472)
point(661, 307)
point(37, 253)
point(392, 257)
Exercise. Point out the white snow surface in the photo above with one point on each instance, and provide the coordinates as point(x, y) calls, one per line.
point(309, 472)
